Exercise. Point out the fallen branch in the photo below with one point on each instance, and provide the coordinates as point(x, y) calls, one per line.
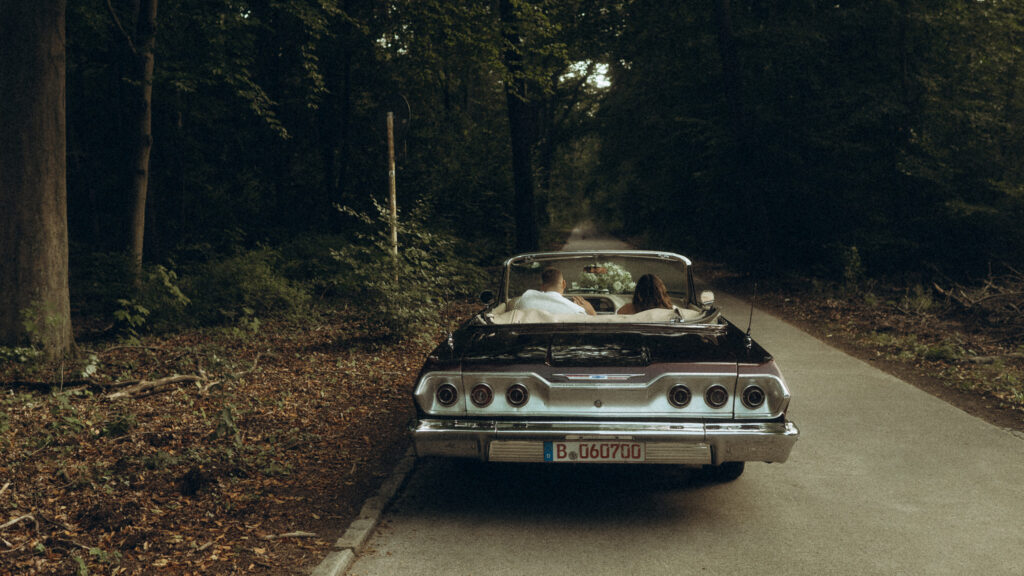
point(131, 347)
point(57, 523)
point(4, 489)
point(290, 535)
point(12, 548)
point(141, 388)
point(19, 519)
point(121, 384)
point(994, 359)
point(148, 387)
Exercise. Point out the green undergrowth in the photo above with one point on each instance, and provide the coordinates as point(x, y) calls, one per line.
point(964, 337)
point(401, 296)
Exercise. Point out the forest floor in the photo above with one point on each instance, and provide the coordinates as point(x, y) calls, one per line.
point(255, 459)
point(964, 345)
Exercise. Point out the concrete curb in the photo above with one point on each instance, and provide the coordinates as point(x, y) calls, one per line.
point(348, 547)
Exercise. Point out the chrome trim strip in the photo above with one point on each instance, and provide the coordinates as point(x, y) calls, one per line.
point(686, 443)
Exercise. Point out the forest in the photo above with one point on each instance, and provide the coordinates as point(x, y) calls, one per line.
point(207, 338)
point(246, 140)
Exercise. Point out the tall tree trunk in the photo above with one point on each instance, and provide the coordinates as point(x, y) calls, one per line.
point(521, 127)
point(34, 302)
point(146, 42)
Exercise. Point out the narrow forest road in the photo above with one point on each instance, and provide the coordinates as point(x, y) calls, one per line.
point(885, 479)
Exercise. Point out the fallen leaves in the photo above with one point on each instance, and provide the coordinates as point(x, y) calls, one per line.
point(317, 425)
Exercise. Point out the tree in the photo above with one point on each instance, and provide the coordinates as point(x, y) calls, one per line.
point(35, 305)
point(142, 47)
point(522, 127)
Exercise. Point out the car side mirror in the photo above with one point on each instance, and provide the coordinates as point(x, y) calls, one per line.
point(487, 296)
point(707, 298)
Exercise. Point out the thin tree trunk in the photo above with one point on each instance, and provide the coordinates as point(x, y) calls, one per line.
point(146, 41)
point(34, 301)
point(521, 125)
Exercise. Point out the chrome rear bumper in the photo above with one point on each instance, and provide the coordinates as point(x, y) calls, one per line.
point(686, 443)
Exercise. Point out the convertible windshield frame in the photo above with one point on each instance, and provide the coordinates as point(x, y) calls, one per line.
point(676, 270)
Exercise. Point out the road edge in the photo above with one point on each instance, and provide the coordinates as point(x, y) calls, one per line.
point(347, 548)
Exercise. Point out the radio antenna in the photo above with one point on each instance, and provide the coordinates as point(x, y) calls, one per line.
point(748, 341)
point(750, 321)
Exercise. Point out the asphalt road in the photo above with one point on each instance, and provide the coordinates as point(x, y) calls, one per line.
point(885, 479)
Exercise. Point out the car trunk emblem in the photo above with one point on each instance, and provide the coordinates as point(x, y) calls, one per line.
point(590, 377)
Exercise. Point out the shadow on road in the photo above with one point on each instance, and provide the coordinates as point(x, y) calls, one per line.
point(585, 493)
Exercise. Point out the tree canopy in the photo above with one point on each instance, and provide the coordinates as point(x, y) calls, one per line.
point(788, 134)
point(800, 135)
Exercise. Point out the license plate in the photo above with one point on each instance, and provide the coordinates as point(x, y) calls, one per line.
point(596, 451)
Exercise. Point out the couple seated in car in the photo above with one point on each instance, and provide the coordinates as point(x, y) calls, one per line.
point(650, 293)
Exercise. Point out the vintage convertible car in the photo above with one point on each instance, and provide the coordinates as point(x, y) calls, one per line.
point(679, 386)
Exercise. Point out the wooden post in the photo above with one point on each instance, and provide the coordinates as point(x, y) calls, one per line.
point(392, 201)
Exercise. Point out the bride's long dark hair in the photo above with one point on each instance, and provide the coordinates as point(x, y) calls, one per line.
point(650, 293)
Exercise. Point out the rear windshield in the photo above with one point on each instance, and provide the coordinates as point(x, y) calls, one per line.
point(600, 274)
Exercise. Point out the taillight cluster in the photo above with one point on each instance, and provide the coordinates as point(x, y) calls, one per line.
point(716, 396)
point(481, 395)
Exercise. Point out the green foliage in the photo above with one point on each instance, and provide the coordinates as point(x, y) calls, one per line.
point(39, 320)
point(19, 354)
point(99, 279)
point(910, 348)
point(120, 425)
point(90, 367)
point(130, 317)
point(404, 296)
point(105, 557)
point(853, 268)
point(308, 260)
point(890, 126)
point(240, 288)
point(942, 353)
point(227, 428)
point(917, 300)
point(65, 422)
point(161, 460)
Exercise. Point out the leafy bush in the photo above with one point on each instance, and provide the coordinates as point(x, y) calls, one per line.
point(239, 287)
point(403, 296)
point(98, 280)
point(309, 260)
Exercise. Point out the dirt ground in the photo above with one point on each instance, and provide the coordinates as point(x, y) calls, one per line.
point(254, 466)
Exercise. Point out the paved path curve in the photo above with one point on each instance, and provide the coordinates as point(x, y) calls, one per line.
point(886, 479)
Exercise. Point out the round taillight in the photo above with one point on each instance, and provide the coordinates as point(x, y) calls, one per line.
point(716, 396)
point(753, 396)
point(481, 395)
point(447, 395)
point(517, 395)
point(679, 396)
